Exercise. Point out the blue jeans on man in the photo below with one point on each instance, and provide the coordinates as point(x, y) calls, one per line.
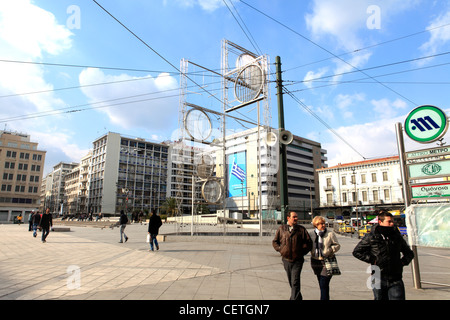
point(390, 290)
point(153, 240)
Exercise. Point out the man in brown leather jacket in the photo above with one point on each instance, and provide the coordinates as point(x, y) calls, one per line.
point(292, 241)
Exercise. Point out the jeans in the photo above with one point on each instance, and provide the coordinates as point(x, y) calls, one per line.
point(324, 284)
point(153, 239)
point(293, 270)
point(390, 290)
point(45, 232)
point(35, 226)
point(122, 232)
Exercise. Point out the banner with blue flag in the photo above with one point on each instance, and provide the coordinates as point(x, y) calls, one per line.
point(238, 172)
point(237, 179)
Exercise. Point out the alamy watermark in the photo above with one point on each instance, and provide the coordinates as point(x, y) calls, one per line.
point(374, 280)
point(374, 20)
point(74, 278)
point(74, 19)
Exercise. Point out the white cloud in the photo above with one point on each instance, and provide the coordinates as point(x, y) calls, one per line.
point(32, 30)
point(346, 101)
point(159, 112)
point(387, 109)
point(207, 5)
point(308, 79)
point(438, 36)
point(375, 139)
point(27, 33)
point(344, 19)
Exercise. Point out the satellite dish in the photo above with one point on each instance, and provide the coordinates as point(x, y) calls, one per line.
point(249, 83)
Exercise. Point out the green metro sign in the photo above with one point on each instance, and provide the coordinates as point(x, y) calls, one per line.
point(426, 124)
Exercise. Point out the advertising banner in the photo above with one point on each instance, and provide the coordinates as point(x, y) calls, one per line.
point(237, 174)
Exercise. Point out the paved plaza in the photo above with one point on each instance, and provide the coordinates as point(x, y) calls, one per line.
point(88, 263)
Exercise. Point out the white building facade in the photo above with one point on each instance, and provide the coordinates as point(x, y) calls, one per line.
point(360, 187)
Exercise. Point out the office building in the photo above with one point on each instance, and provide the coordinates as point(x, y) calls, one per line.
point(21, 170)
point(127, 174)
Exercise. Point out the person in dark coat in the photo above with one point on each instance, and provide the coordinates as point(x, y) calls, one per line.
point(45, 223)
point(35, 220)
point(153, 229)
point(386, 250)
point(293, 242)
point(123, 220)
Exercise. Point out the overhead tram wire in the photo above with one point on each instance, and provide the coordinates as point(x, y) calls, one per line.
point(68, 109)
point(90, 66)
point(329, 52)
point(376, 67)
point(312, 112)
point(372, 46)
point(321, 120)
point(156, 52)
point(377, 76)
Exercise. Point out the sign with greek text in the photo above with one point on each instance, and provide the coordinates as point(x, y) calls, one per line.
point(436, 190)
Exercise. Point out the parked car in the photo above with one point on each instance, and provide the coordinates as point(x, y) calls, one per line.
point(364, 230)
point(346, 228)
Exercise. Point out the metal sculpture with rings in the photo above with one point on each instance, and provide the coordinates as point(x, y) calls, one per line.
point(212, 191)
point(197, 124)
point(249, 83)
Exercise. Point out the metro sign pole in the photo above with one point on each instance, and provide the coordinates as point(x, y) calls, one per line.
point(424, 124)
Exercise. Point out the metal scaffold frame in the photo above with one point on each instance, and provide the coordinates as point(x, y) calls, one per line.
point(205, 130)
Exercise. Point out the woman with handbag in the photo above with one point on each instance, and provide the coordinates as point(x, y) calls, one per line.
point(323, 260)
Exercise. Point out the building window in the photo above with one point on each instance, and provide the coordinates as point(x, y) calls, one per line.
point(344, 197)
point(375, 195)
point(344, 181)
point(364, 196)
point(363, 178)
point(374, 177)
point(387, 194)
point(385, 176)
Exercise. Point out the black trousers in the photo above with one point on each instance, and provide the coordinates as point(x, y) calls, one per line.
point(293, 271)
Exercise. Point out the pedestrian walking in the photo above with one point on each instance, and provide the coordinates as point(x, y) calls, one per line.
point(30, 221)
point(35, 220)
point(153, 229)
point(123, 223)
point(324, 246)
point(385, 248)
point(293, 242)
point(46, 223)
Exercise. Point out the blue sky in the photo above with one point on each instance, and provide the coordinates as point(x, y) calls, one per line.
point(354, 63)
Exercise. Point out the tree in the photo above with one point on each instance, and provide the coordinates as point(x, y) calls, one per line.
point(170, 206)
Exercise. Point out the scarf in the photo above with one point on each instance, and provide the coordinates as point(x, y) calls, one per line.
point(319, 241)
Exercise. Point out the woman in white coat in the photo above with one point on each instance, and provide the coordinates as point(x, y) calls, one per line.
point(325, 244)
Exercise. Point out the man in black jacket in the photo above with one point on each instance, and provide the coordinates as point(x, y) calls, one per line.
point(123, 220)
point(45, 223)
point(153, 229)
point(385, 248)
point(292, 241)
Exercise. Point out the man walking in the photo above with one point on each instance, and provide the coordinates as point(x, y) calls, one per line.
point(46, 223)
point(153, 229)
point(385, 248)
point(293, 242)
point(123, 223)
point(35, 220)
